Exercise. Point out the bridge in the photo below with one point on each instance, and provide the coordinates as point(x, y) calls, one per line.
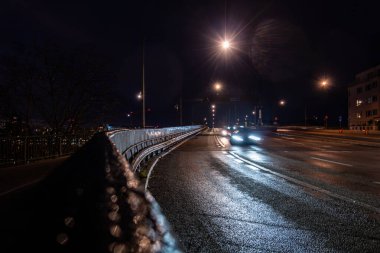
point(187, 189)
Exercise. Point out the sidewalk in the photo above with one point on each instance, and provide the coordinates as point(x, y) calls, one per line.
point(17, 177)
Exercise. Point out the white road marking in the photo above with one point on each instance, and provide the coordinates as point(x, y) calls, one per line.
point(150, 169)
point(338, 151)
point(288, 138)
point(329, 161)
point(219, 141)
point(316, 188)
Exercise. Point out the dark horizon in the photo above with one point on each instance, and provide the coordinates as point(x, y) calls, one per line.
point(281, 51)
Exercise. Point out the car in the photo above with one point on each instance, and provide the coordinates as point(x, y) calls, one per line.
point(226, 131)
point(245, 135)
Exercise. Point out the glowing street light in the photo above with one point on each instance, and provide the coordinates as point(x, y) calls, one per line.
point(324, 83)
point(213, 106)
point(217, 86)
point(282, 102)
point(139, 95)
point(226, 44)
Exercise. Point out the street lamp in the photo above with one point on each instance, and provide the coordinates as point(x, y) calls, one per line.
point(282, 102)
point(226, 44)
point(139, 95)
point(217, 86)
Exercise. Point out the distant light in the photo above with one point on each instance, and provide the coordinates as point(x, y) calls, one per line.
point(324, 83)
point(139, 95)
point(224, 132)
point(217, 86)
point(282, 102)
point(213, 106)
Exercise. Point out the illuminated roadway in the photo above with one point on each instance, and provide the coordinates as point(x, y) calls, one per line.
point(288, 194)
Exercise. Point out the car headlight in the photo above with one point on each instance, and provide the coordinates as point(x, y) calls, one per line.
point(254, 138)
point(224, 132)
point(237, 138)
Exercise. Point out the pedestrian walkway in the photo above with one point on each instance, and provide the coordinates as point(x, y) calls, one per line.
point(17, 177)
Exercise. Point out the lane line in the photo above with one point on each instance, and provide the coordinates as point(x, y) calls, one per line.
point(288, 138)
point(302, 183)
point(329, 161)
point(158, 158)
point(220, 141)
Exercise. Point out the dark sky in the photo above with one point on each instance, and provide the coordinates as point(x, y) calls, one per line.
point(281, 49)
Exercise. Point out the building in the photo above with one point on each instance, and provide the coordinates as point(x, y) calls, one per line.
point(363, 101)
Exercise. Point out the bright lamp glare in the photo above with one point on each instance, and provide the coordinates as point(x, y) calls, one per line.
point(226, 44)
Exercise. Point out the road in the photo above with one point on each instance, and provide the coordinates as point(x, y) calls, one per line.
point(288, 194)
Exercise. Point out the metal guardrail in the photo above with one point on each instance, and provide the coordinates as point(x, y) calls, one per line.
point(25, 149)
point(138, 157)
point(124, 139)
point(94, 202)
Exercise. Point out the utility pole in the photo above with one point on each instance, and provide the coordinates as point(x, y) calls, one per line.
point(305, 112)
point(180, 111)
point(143, 84)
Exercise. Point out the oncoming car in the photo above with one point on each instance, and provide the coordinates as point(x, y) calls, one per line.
point(245, 136)
point(227, 131)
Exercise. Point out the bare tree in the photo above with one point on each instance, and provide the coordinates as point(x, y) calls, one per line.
point(61, 86)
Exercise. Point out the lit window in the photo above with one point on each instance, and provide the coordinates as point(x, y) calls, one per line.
point(358, 115)
point(358, 102)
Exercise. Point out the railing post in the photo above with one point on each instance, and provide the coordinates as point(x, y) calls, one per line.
point(60, 145)
point(25, 150)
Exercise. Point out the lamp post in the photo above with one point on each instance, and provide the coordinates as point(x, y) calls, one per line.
point(143, 85)
point(218, 87)
point(324, 83)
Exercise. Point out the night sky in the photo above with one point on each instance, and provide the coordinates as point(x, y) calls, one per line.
point(280, 50)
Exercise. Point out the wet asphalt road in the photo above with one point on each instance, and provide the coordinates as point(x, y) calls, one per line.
point(288, 194)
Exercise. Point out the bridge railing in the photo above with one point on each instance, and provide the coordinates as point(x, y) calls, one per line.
point(25, 149)
point(94, 202)
point(125, 139)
